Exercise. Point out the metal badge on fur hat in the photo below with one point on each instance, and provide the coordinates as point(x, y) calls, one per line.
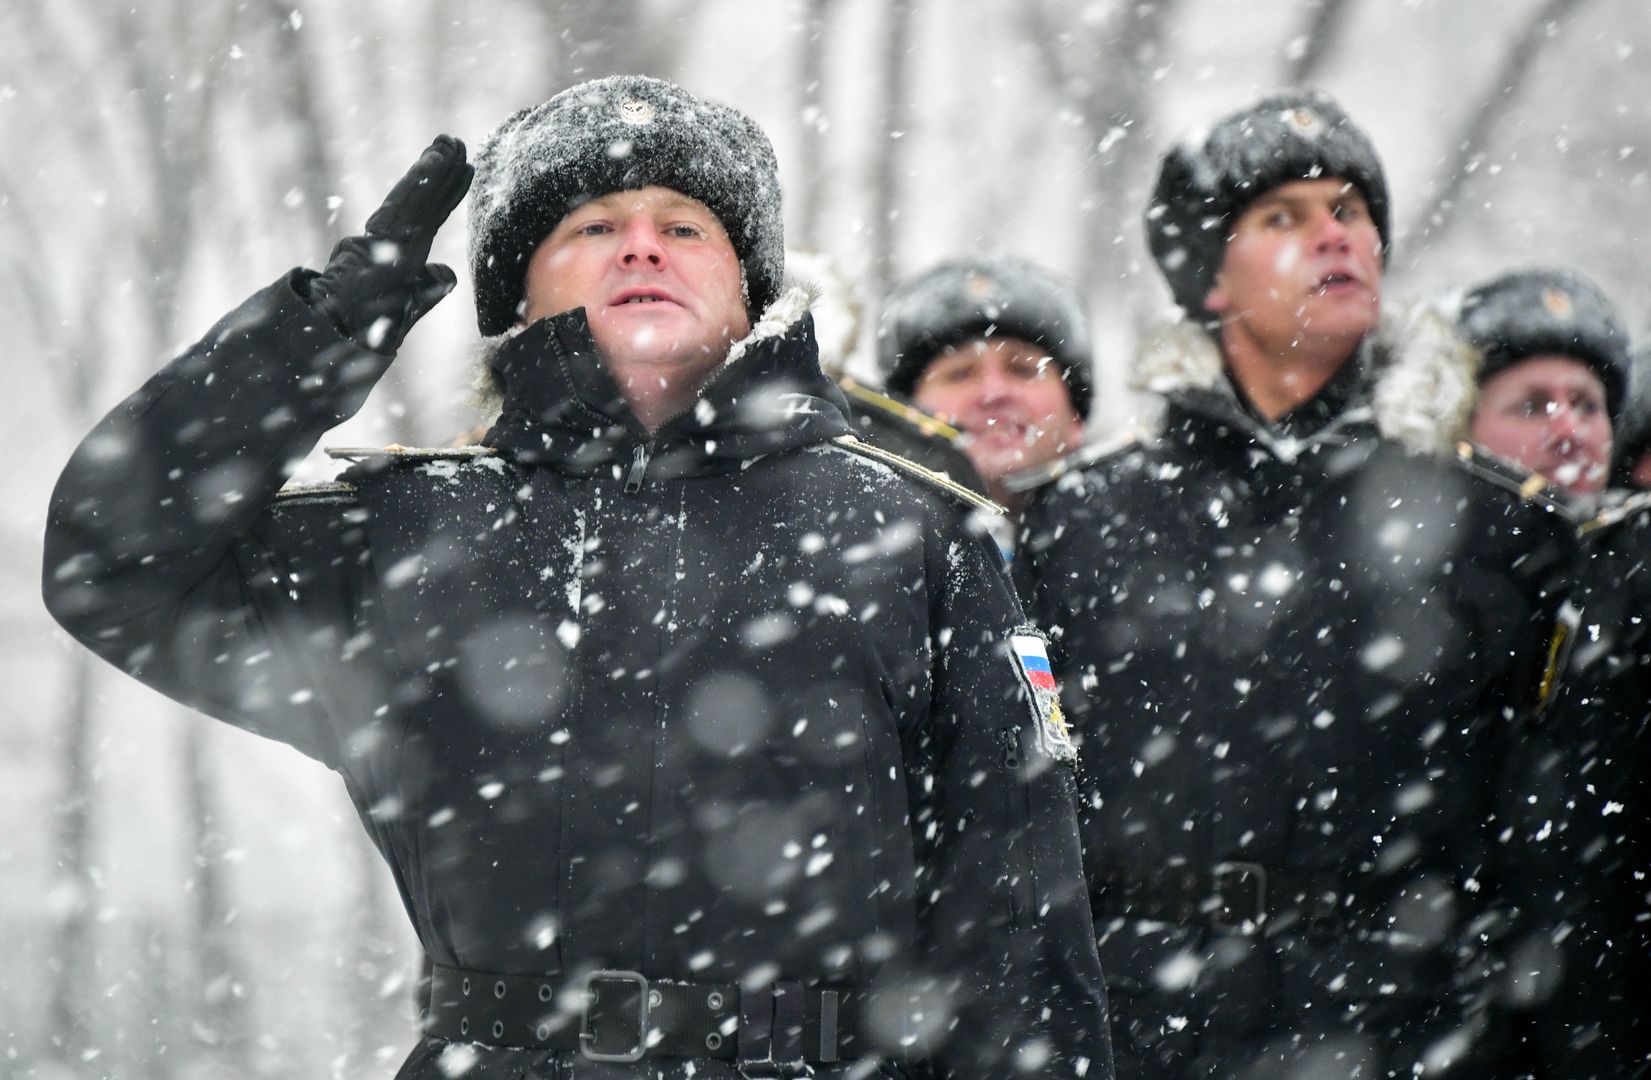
point(619, 134)
point(1547, 311)
point(996, 297)
point(1211, 176)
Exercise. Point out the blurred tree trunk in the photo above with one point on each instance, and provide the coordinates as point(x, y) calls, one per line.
point(1322, 25)
point(73, 957)
point(1105, 69)
point(317, 176)
point(222, 1021)
point(889, 158)
point(808, 174)
point(172, 132)
point(74, 355)
point(1484, 121)
point(592, 39)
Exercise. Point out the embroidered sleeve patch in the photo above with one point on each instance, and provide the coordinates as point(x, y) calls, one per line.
point(1031, 660)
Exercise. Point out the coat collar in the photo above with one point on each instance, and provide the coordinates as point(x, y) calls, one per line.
point(561, 406)
point(1414, 383)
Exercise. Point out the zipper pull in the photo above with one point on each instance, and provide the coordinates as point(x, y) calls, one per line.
point(639, 465)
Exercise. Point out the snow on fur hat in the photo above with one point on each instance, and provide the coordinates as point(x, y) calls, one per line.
point(1210, 177)
point(1547, 310)
point(994, 296)
point(619, 134)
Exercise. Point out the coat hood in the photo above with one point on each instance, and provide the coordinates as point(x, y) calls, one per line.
point(561, 406)
point(1419, 378)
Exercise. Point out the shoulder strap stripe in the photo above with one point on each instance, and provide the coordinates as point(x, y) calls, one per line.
point(411, 453)
point(1509, 476)
point(332, 489)
point(928, 476)
point(1620, 512)
point(929, 425)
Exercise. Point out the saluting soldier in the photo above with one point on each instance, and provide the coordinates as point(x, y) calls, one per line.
point(699, 742)
point(1292, 626)
point(1554, 380)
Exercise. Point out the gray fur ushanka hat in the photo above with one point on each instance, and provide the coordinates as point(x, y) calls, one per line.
point(619, 134)
point(1547, 311)
point(1209, 178)
point(994, 296)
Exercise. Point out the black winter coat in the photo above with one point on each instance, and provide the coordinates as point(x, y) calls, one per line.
point(730, 704)
point(1578, 799)
point(1290, 653)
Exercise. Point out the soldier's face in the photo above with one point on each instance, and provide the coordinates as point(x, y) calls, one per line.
point(1303, 263)
point(1008, 398)
point(655, 272)
point(1548, 414)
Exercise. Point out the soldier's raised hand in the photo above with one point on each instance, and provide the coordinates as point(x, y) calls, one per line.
point(377, 285)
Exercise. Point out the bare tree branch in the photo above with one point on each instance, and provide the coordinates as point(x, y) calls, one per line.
point(1484, 120)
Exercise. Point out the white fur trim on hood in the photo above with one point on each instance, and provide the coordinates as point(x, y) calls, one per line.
point(777, 319)
point(1422, 374)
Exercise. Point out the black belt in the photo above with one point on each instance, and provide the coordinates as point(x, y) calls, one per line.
point(623, 1016)
point(1234, 897)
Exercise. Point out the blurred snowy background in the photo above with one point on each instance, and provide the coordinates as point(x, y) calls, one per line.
point(180, 899)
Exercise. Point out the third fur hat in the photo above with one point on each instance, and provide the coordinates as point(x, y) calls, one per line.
point(984, 297)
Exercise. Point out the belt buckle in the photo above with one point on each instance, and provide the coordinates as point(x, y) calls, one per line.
point(1240, 896)
point(637, 1047)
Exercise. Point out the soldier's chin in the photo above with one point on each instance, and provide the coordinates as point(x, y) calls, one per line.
point(995, 460)
point(651, 345)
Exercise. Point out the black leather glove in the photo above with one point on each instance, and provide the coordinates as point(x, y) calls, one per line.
point(377, 285)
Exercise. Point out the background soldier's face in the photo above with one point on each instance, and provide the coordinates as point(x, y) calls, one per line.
point(1548, 414)
point(1303, 262)
point(1009, 399)
point(655, 272)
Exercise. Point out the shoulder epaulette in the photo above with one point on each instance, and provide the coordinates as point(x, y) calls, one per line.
point(1530, 486)
point(329, 491)
point(1081, 458)
point(912, 468)
point(1635, 504)
point(395, 452)
point(903, 410)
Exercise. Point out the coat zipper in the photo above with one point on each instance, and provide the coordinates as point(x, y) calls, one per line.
point(639, 466)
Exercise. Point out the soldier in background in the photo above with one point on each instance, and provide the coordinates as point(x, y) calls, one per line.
point(1576, 794)
point(1000, 348)
point(1293, 624)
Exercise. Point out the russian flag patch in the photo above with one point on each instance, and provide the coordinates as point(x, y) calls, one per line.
point(1031, 658)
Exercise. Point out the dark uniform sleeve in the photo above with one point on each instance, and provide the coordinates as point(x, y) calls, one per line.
point(168, 554)
point(1006, 915)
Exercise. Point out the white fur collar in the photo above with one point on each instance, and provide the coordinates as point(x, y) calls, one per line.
point(776, 320)
point(1423, 376)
